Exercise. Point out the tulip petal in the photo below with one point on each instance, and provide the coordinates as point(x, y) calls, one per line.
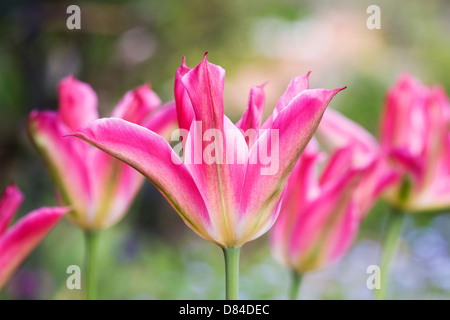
point(185, 112)
point(9, 203)
point(251, 119)
point(293, 127)
point(114, 186)
point(340, 161)
point(136, 105)
point(152, 156)
point(114, 183)
point(403, 121)
point(204, 85)
point(296, 86)
point(407, 163)
point(336, 131)
point(222, 187)
point(318, 232)
point(65, 159)
point(77, 103)
point(356, 147)
point(377, 177)
point(301, 188)
point(24, 236)
point(342, 237)
point(163, 120)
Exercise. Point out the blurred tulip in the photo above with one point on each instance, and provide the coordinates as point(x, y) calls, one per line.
point(18, 241)
point(415, 137)
point(414, 143)
point(320, 214)
point(98, 187)
point(415, 151)
point(234, 198)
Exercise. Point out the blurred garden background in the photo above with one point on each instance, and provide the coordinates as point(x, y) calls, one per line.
point(151, 254)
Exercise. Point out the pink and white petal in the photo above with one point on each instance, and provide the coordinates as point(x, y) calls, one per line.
point(436, 194)
point(19, 240)
point(403, 123)
point(295, 87)
point(152, 156)
point(377, 178)
point(302, 187)
point(291, 131)
point(340, 162)
point(65, 159)
point(236, 160)
point(185, 112)
point(163, 120)
point(204, 85)
point(9, 203)
point(311, 238)
point(337, 131)
point(251, 119)
point(77, 103)
point(223, 197)
point(263, 227)
point(437, 110)
point(268, 122)
point(136, 105)
point(130, 183)
point(342, 236)
point(406, 163)
point(114, 186)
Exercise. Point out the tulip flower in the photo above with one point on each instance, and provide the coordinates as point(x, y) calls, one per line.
point(415, 145)
point(415, 136)
point(320, 214)
point(414, 141)
point(226, 188)
point(98, 187)
point(16, 242)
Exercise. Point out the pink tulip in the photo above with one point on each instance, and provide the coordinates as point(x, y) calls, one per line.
point(19, 240)
point(320, 214)
point(415, 137)
point(414, 143)
point(98, 187)
point(234, 198)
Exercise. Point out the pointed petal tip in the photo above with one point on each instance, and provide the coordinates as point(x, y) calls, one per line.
point(261, 86)
point(405, 74)
point(206, 53)
point(183, 62)
point(34, 114)
point(13, 190)
point(337, 90)
point(67, 80)
point(73, 134)
point(77, 133)
point(56, 212)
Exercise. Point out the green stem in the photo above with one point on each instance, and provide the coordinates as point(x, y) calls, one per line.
point(232, 273)
point(295, 284)
point(395, 223)
point(91, 272)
